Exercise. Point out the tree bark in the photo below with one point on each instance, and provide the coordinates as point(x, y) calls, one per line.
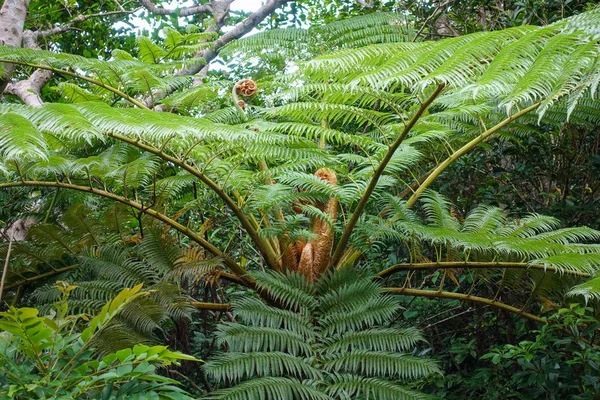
point(12, 20)
point(29, 89)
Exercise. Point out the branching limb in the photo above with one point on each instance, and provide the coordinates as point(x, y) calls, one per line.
point(12, 20)
point(77, 20)
point(237, 32)
point(434, 294)
point(341, 246)
point(477, 265)
point(28, 90)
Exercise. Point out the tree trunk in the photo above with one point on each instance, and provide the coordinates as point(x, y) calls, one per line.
point(12, 20)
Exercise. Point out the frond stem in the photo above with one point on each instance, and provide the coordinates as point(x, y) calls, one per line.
point(40, 276)
point(464, 150)
point(252, 232)
point(434, 294)
point(200, 305)
point(235, 267)
point(476, 265)
point(339, 250)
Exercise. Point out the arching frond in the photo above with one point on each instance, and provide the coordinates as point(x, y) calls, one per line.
point(294, 345)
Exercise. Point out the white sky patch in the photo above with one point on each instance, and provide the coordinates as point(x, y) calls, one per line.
point(246, 5)
point(238, 5)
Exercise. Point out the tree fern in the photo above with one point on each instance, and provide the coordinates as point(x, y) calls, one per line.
point(386, 119)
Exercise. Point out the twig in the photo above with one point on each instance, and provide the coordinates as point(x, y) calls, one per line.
point(10, 242)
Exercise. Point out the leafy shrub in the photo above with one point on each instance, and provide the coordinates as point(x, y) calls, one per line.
point(44, 357)
point(561, 362)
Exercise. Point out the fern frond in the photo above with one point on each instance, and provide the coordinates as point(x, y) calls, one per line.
point(348, 387)
point(375, 364)
point(244, 339)
point(386, 340)
point(254, 312)
point(271, 388)
point(292, 290)
point(237, 366)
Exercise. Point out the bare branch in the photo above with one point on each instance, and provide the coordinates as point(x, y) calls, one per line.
point(237, 32)
point(368, 4)
point(182, 12)
point(77, 20)
point(29, 89)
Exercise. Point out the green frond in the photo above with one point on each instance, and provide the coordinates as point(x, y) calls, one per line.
point(437, 210)
point(530, 226)
point(292, 290)
point(277, 39)
point(374, 311)
point(20, 139)
point(571, 262)
point(307, 112)
point(589, 290)
point(269, 388)
point(295, 43)
point(267, 197)
point(376, 339)
point(484, 220)
point(237, 366)
point(149, 52)
point(117, 265)
point(159, 251)
point(309, 183)
point(349, 387)
point(570, 235)
point(76, 94)
point(366, 22)
point(192, 271)
point(254, 312)
point(345, 298)
point(318, 132)
point(199, 96)
point(316, 344)
point(378, 363)
point(244, 339)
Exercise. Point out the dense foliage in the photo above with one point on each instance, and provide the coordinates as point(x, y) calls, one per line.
point(391, 142)
point(47, 357)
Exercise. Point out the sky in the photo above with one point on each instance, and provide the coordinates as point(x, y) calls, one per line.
point(238, 5)
point(246, 5)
